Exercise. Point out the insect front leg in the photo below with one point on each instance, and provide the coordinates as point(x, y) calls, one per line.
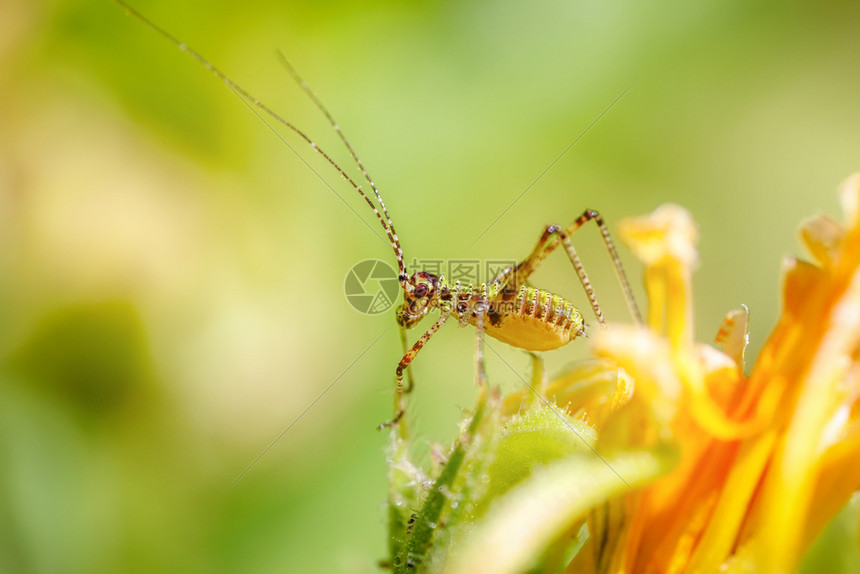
point(410, 381)
point(399, 408)
point(551, 238)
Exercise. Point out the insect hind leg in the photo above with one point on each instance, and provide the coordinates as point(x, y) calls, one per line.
point(551, 238)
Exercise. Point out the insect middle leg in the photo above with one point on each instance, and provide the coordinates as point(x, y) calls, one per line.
point(481, 312)
point(550, 239)
point(480, 374)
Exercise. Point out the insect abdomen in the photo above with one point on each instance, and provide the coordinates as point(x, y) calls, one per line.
point(535, 320)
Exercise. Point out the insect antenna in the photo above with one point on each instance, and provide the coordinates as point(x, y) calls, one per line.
point(246, 96)
point(321, 107)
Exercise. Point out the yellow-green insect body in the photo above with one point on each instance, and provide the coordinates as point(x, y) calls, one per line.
point(505, 308)
point(525, 317)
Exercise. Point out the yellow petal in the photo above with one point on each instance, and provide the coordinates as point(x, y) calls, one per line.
point(665, 241)
point(822, 236)
point(734, 334)
point(849, 197)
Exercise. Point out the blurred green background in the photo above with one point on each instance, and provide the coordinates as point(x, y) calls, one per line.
point(171, 274)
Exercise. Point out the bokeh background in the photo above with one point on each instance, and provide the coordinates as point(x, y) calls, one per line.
point(171, 273)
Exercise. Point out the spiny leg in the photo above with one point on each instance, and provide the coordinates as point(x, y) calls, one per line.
point(480, 375)
point(587, 215)
point(546, 244)
point(481, 311)
point(583, 276)
point(550, 239)
point(404, 340)
point(399, 408)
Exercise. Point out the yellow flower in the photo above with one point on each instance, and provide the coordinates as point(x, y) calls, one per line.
point(766, 459)
point(665, 456)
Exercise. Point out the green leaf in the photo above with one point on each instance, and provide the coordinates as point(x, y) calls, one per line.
point(523, 523)
point(422, 528)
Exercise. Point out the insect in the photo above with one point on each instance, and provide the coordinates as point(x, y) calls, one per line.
point(506, 308)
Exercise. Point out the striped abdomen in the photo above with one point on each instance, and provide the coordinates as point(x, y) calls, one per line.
point(533, 319)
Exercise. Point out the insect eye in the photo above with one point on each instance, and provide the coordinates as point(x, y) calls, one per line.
point(421, 290)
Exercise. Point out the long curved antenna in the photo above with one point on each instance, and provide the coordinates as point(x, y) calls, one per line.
point(389, 230)
point(321, 107)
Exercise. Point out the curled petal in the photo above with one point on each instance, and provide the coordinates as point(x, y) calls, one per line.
point(666, 234)
point(665, 241)
point(822, 236)
point(734, 335)
point(849, 197)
